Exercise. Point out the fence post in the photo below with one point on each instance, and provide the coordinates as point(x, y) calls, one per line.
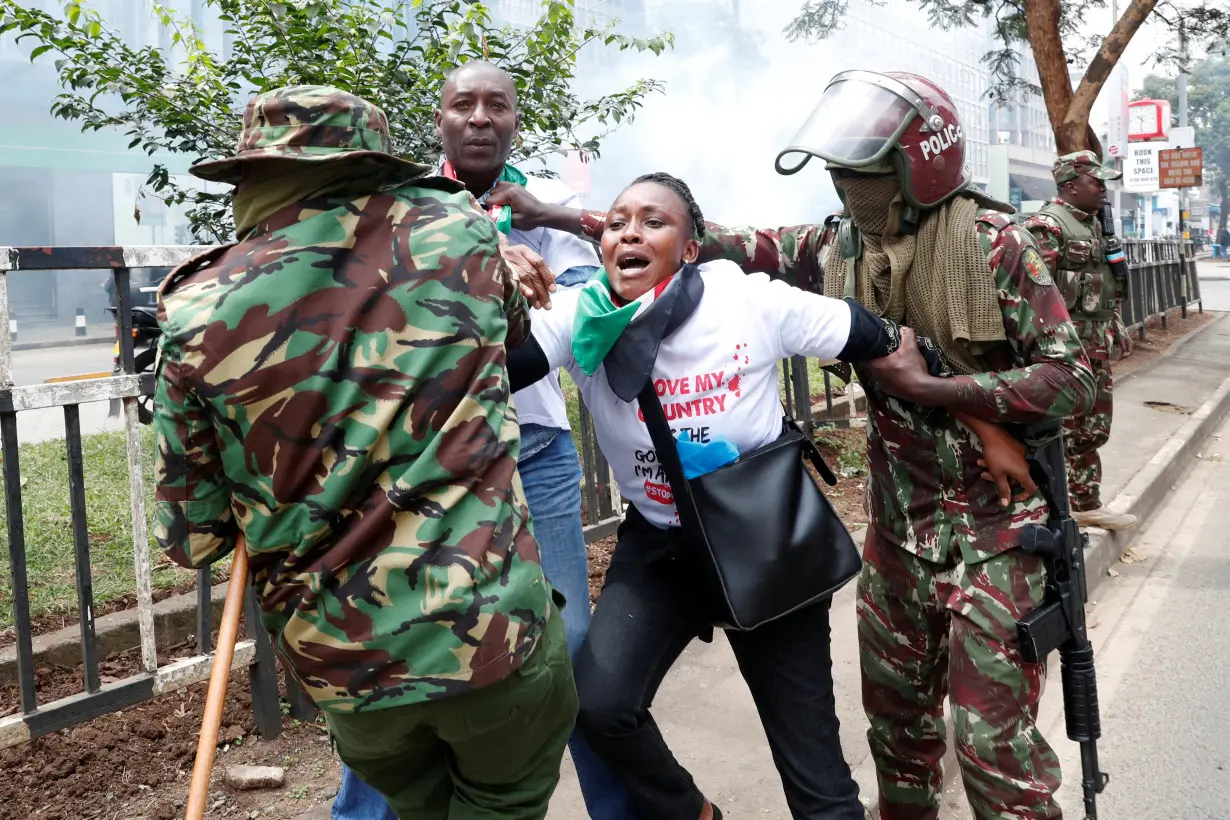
point(142, 570)
point(81, 546)
point(263, 673)
point(1183, 257)
point(802, 393)
point(204, 610)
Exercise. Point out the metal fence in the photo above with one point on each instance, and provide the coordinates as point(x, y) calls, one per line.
point(1161, 280)
point(1162, 277)
point(96, 698)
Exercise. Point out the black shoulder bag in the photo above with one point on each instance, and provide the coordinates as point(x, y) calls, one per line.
point(759, 534)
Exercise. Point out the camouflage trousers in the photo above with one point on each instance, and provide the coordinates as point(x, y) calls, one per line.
point(1085, 435)
point(927, 631)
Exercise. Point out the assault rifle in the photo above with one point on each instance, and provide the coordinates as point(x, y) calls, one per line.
point(1059, 622)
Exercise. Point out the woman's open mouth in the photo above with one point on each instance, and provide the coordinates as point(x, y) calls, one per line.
point(632, 261)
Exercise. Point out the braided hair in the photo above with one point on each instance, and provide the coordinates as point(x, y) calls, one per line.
point(680, 189)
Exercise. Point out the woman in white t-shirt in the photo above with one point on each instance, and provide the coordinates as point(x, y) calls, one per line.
point(717, 377)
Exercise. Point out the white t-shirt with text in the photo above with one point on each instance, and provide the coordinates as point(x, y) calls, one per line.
point(716, 376)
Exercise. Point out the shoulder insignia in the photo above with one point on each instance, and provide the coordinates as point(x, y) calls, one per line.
point(1035, 267)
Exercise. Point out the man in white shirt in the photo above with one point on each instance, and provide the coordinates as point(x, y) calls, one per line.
point(477, 122)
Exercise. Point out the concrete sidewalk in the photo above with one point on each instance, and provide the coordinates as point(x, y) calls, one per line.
point(704, 708)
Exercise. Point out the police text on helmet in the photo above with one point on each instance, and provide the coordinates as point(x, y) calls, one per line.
point(941, 142)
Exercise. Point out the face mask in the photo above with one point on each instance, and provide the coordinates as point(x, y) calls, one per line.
point(868, 199)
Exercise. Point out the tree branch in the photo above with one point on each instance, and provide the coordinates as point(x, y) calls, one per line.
point(1077, 115)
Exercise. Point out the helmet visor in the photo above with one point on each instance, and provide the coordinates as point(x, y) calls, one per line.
point(854, 125)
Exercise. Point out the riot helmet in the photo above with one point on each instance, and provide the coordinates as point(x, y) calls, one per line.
point(871, 122)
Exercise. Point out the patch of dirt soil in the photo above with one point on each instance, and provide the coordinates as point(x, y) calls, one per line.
point(137, 764)
point(847, 495)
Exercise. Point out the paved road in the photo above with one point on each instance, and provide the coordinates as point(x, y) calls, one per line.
point(35, 366)
point(1163, 656)
point(1215, 293)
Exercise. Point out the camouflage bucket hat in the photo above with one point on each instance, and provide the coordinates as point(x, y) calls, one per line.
point(1071, 166)
point(311, 124)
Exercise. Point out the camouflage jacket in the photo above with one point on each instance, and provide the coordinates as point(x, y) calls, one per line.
point(334, 388)
point(925, 491)
point(1049, 236)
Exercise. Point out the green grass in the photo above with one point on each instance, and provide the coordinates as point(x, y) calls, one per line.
point(50, 565)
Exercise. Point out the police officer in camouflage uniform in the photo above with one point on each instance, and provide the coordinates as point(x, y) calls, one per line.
point(333, 388)
point(945, 579)
point(1069, 233)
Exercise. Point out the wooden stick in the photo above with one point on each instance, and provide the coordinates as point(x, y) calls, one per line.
point(219, 678)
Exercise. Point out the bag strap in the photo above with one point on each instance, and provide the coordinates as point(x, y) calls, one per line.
point(668, 456)
point(811, 450)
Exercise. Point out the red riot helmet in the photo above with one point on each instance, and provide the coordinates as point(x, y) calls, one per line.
point(872, 122)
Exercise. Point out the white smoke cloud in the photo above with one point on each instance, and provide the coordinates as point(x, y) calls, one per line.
point(729, 109)
point(723, 119)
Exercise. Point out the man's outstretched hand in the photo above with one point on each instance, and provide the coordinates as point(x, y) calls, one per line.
point(528, 211)
point(535, 278)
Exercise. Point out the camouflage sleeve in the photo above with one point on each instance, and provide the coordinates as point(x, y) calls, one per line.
point(193, 521)
point(793, 255)
point(516, 308)
point(488, 251)
point(1053, 379)
point(1049, 237)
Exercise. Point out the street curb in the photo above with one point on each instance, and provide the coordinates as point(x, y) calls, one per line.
point(1149, 487)
point(100, 340)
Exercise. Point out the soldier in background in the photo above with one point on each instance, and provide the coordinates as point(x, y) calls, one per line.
point(1069, 234)
point(334, 388)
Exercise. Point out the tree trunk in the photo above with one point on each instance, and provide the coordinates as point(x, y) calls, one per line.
point(1222, 185)
point(1042, 25)
point(1077, 118)
point(1068, 111)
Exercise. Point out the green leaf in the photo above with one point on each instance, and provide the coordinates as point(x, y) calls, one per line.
point(39, 51)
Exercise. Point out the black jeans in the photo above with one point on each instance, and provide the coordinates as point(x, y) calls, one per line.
point(645, 618)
